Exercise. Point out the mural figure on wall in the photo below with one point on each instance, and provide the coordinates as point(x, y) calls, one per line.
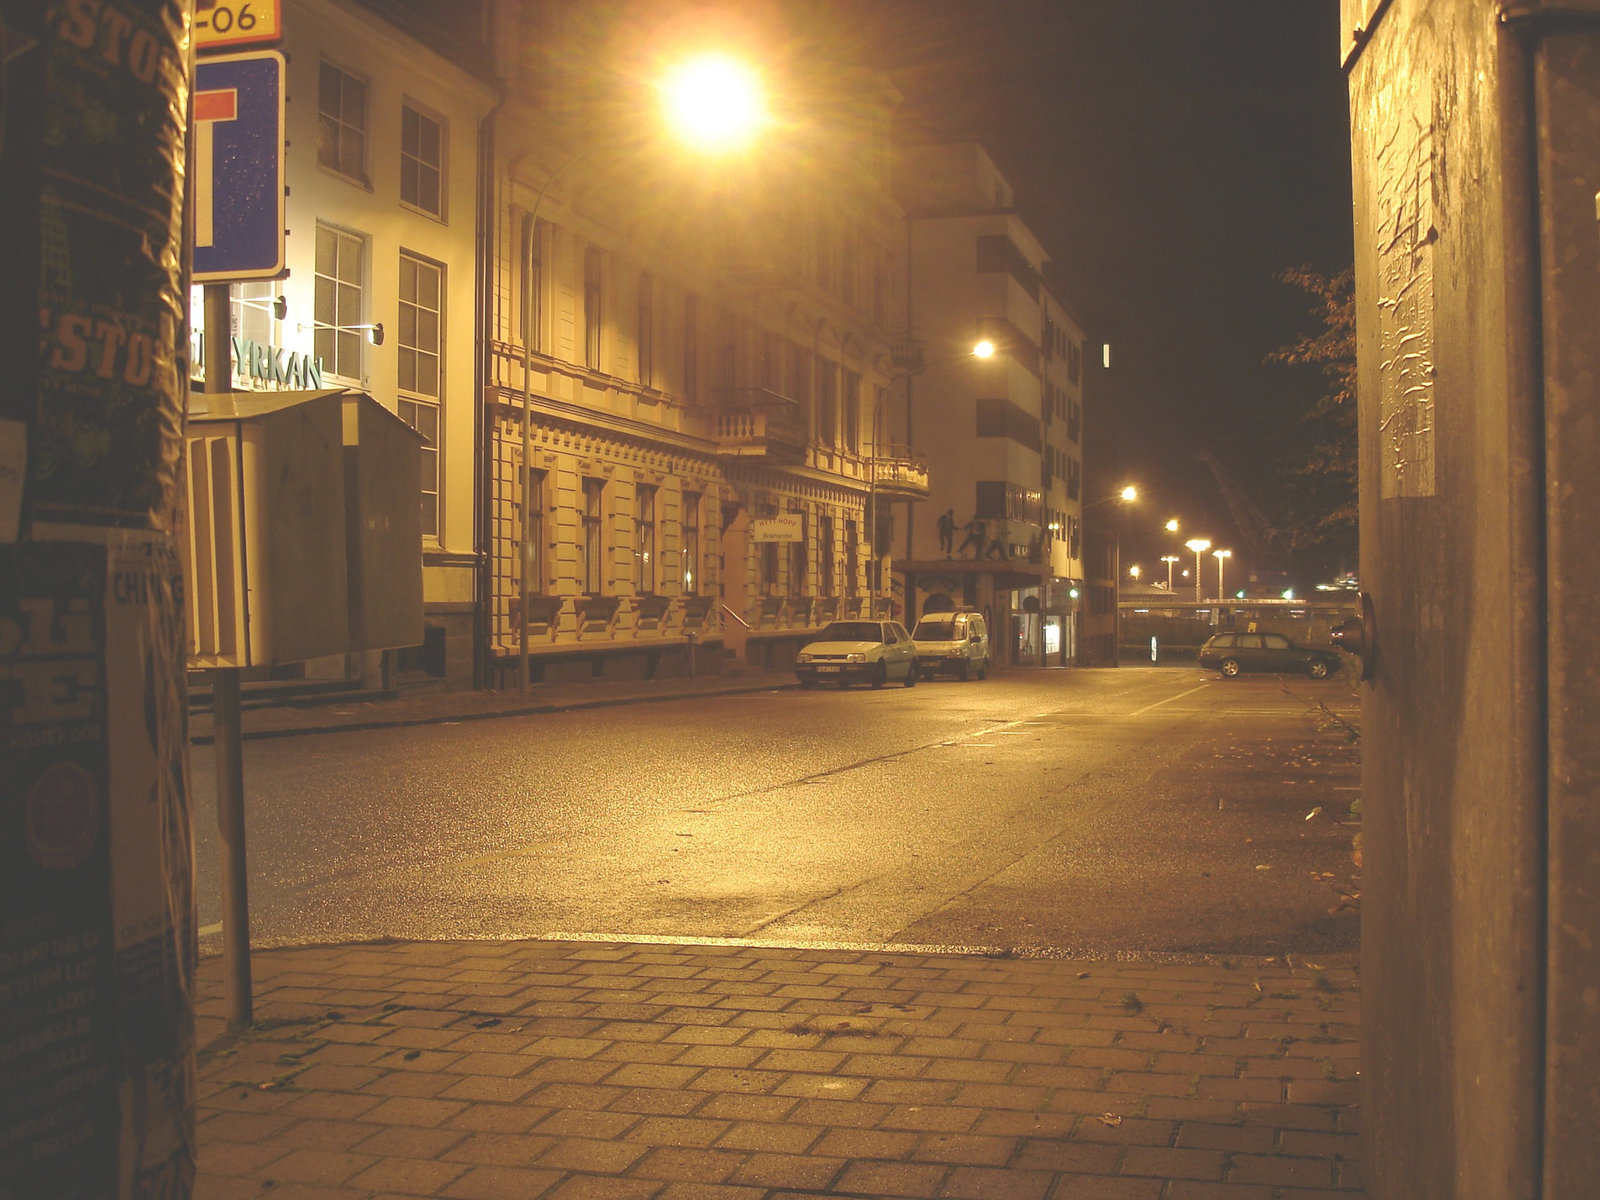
point(999, 548)
point(977, 530)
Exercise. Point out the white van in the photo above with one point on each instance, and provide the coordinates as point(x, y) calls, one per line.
point(955, 643)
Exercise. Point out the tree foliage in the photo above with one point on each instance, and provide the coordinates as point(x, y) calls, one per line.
point(1320, 461)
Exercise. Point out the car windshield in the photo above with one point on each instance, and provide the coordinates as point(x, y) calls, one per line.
point(851, 631)
point(936, 631)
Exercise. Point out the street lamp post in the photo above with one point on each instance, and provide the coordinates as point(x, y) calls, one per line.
point(1199, 546)
point(1221, 556)
point(713, 103)
point(1169, 559)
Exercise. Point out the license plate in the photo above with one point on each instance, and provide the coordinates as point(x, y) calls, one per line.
point(827, 670)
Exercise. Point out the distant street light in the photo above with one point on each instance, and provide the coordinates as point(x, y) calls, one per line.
point(984, 349)
point(1199, 546)
point(1172, 525)
point(1221, 556)
point(1169, 559)
point(1134, 571)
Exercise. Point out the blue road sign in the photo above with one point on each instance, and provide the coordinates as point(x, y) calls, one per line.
point(237, 160)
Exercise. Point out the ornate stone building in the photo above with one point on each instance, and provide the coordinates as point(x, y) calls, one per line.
point(686, 361)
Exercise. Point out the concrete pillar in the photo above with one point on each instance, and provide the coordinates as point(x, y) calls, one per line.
point(1476, 159)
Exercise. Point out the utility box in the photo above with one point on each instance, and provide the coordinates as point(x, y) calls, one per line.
point(304, 534)
point(383, 525)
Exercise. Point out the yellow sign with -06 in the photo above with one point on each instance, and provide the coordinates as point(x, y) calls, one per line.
point(226, 24)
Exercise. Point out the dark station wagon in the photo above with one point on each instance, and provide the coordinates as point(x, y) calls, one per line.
point(1232, 653)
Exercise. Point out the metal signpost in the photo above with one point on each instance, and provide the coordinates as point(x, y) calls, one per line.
point(236, 156)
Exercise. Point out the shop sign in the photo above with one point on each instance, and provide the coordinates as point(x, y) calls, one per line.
point(789, 527)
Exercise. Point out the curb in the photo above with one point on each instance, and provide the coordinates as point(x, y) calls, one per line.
point(552, 706)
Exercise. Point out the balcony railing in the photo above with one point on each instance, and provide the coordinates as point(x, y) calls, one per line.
point(756, 423)
point(900, 471)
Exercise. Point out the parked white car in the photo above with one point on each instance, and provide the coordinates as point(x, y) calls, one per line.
point(954, 643)
point(858, 652)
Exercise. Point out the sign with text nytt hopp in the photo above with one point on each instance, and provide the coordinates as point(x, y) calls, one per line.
point(787, 527)
point(237, 162)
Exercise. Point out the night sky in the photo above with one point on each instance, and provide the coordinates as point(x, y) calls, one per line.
point(1174, 156)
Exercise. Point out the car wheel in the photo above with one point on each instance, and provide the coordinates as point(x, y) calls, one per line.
point(965, 673)
point(1317, 668)
point(1229, 667)
point(911, 675)
point(881, 675)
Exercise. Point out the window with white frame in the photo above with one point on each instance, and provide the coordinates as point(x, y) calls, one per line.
point(691, 543)
point(421, 161)
point(530, 270)
point(647, 328)
point(533, 504)
point(342, 123)
point(593, 546)
point(338, 301)
point(594, 273)
point(691, 348)
point(644, 540)
point(852, 413)
point(418, 357)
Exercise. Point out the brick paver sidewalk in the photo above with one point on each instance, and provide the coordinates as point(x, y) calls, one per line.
point(513, 1070)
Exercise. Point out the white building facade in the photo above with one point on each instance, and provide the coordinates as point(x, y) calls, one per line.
point(382, 120)
point(1002, 437)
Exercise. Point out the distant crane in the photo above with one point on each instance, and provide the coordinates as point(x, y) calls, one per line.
point(1267, 543)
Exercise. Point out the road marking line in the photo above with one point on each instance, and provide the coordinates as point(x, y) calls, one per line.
point(1141, 711)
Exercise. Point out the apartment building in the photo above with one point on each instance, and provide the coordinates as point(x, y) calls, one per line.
point(1002, 436)
point(384, 104)
point(688, 366)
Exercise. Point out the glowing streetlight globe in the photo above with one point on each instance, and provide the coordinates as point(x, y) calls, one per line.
point(984, 349)
point(1130, 493)
point(714, 102)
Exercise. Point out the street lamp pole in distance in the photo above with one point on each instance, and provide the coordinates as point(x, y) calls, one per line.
point(1169, 559)
point(1199, 546)
point(1221, 556)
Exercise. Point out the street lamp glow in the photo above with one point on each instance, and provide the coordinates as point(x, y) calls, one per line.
point(714, 102)
point(1134, 570)
point(984, 349)
point(1130, 493)
point(1172, 525)
point(1169, 559)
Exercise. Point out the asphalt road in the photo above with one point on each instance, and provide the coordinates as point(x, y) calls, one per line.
point(1134, 810)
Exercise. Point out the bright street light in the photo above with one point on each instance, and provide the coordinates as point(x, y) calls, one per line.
point(1169, 559)
point(1199, 546)
point(1130, 493)
point(984, 349)
point(1134, 571)
point(1221, 556)
point(714, 102)
point(1172, 525)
